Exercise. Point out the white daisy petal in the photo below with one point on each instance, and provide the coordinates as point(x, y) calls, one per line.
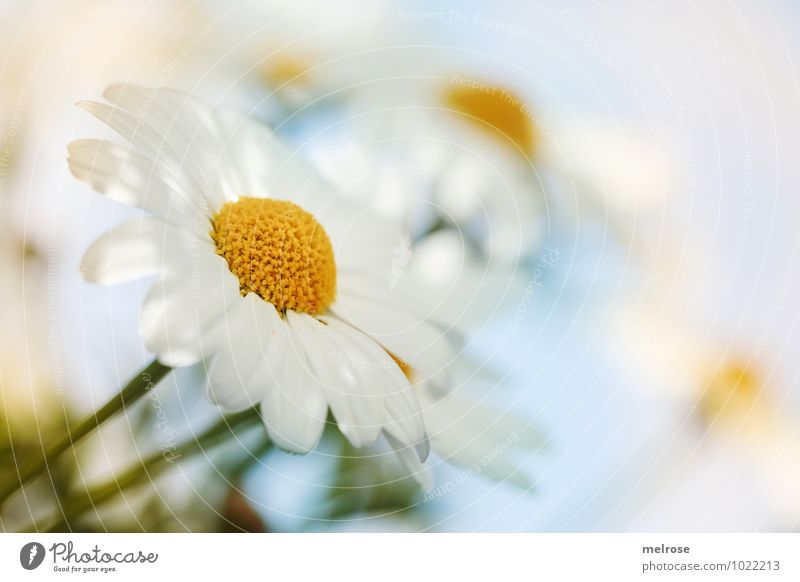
point(262, 162)
point(126, 176)
point(348, 379)
point(236, 376)
point(408, 457)
point(469, 415)
point(421, 344)
point(189, 136)
point(295, 421)
point(146, 105)
point(404, 420)
point(244, 155)
point(132, 250)
point(223, 152)
point(348, 225)
point(475, 435)
point(479, 455)
point(230, 154)
point(294, 409)
point(134, 129)
point(184, 310)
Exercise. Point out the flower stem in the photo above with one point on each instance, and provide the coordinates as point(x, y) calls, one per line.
point(133, 391)
point(150, 467)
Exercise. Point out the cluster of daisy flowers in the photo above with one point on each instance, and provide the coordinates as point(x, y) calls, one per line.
point(283, 290)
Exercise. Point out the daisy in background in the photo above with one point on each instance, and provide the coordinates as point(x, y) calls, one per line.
point(487, 184)
point(729, 394)
point(487, 157)
point(306, 53)
point(744, 407)
point(448, 153)
point(282, 288)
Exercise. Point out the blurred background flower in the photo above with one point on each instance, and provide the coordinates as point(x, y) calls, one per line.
point(601, 196)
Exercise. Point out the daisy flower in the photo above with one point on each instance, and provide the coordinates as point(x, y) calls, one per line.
point(279, 286)
point(722, 388)
point(304, 51)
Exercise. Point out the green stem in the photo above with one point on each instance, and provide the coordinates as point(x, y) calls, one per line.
point(133, 391)
point(150, 467)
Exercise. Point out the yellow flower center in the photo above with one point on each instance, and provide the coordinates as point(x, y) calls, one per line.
point(278, 251)
point(495, 110)
point(284, 69)
point(731, 393)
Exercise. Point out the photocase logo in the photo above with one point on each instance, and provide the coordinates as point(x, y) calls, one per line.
point(31, 555)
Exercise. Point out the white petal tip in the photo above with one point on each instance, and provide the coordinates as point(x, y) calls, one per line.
point(351, 435)
point(176, 359)
point(298, 434)
point(288, 445)
point(424, 479)
point(522, 481)
point(423, 449)
point(112, 91)
point(93, 270)
point(86, 104)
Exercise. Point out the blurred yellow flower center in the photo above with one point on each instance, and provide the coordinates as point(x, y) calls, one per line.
point(278, 251)
point(495, 110)
point(731, 393)
point(284, 69)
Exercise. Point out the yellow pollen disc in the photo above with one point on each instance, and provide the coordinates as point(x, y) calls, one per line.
point(495, 110)
point(278, 251)
point(286, 69)
point(731, 393)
